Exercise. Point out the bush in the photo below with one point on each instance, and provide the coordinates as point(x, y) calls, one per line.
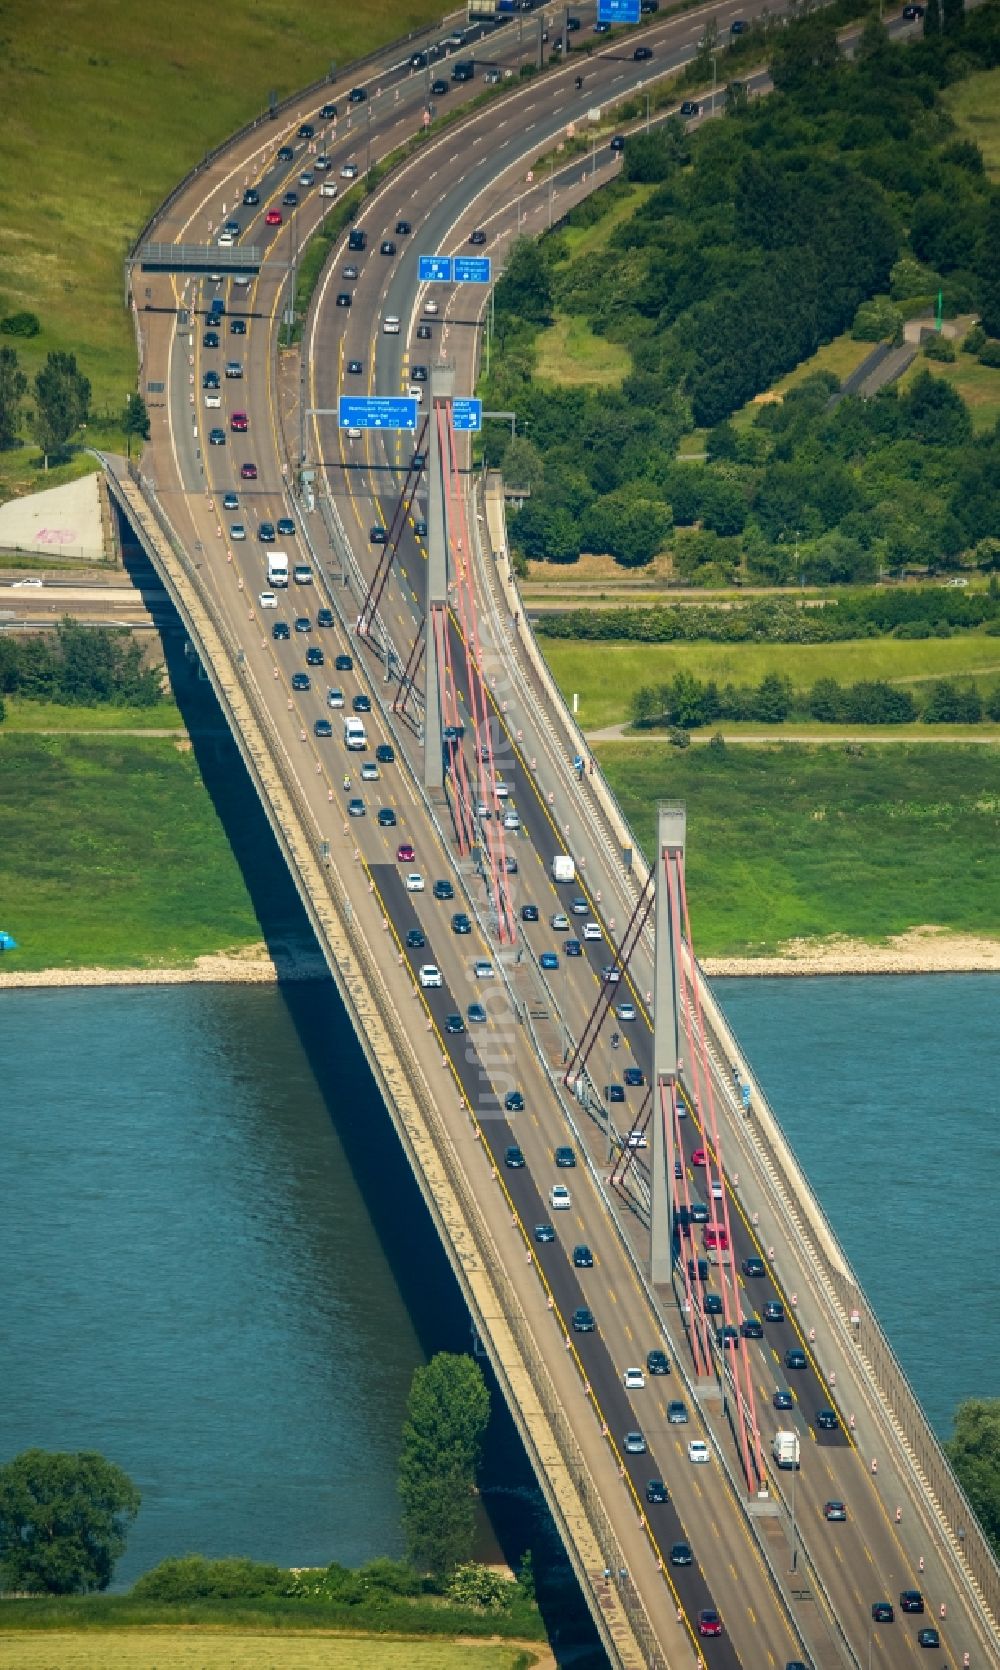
point(948, 703)
point(192, 1577)
point(476, 1585)
point(975, 340)
point(876, 321)
point(938, 347)
point(990, 355)
point(21, 324)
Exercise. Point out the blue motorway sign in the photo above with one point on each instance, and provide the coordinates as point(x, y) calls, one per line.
point(617, 11)
point(467, 415)
point(473, 269)
point(435, 269)
point(357, 411)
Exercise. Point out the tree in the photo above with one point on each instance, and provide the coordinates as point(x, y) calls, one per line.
point(932, 18)
point(62, 403)
point(135, 420)
point(826, 701)
point(773, 699)
point(63, 1521)
point(952, 16)
point(13, 387)
point(988, 268)
point(952, 704)
point(974, 1452)
point(446, 1415)
point(524, 289)
point(803, 52)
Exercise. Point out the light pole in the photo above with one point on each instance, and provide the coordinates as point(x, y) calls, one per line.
point(368, 159)
point(552, 170)
point(795, 1551)
point(647, 112)
point(715, 77)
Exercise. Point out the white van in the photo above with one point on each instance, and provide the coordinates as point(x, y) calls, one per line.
point(277, 568)
point(355, 739)
point(328, 188)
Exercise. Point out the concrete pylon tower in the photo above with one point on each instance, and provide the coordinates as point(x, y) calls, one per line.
point(442, 388)
point(671, 828)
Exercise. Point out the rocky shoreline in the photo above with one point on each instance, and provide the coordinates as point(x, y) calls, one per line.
point(253, 967)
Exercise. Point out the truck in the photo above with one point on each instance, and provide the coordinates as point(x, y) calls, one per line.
point(563, 868)
point(355, 739)
point(277, 568)
point(785, 1449)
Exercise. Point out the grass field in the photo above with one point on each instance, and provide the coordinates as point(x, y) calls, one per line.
point(605, 676)
point(841, 356)
point(584, 240)
point(111, 854)
point(105, 106)
point(569, 353)
point(52, 716)
point(975, 105)
point(787, 842)
point(169, 1648)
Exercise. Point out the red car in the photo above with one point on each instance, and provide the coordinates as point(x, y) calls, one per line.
point(273, 217)
point(709, 1622)
point(716, 1236)
point(248, 472)
point(698, 1157)
point(405, 854)
point(239, 423)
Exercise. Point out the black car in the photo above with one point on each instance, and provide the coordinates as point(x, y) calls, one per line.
point(774, 1311)
point(656, 1491)
point(438, 89)
point(324, 617)
point(713, 1304)
point(328, 112)
point(415, 940)
point(583, 1258)
point(454, 1024)
point(565, 1158)
point(217, 437)
point(544, 1234)
point(460, 923)
point(423, 332)
point(387, 247)
point(753, 1267)
point(403, 228)
point(343, 298)
point(362, 704)
point(210, 380)
point(513, 1158)
point(384, 753)
point(377, 535)
point(657, 1362)
point(738, 26)
point(420, 528)
point(322, 727)
point(210, 339)
point(418, 61)
point(290, 200)
point(618, 142)
point(634, 1076)
point(572, 948)
point(418, 373)
point(727, 1337)
point(583, 1320)
point(307, 131)
point(251, 198)
point(343, 663)
point(614, 1092)
point(882, 1612)
point(698, 1269)
point(928, 1637)
point(529, 913)
point(827, 1421)
point(911, 1600)
point(689, 108)
point(301, 681)
point(419, 461)
point(513, 1102)
point(642, 54)
point(303, 623)
point(357, 95)
point(355, 368)
point(386, 817)
point(265, 533)
point(699, 1212)
point(911, 13)
point(680, 1554)
point(314, 656)
point(285, 153)
point(783, 1398)
point(795, 1357)
point(443, 890)
point(237, 327)
point(280, 631)
point(752, 1328)
point(478, 236)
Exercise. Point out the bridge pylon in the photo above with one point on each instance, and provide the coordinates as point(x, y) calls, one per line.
point(671, 830)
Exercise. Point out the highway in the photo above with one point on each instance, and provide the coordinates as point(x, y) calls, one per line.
point(788, 1584)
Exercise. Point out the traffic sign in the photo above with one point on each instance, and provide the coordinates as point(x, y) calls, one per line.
point(618, 11)
point(467, 415)
point(357, 411)
point(473, 269)
point(435, 269)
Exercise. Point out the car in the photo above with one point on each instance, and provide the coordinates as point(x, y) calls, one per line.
point(323, 728)
point(727, 1337)
point(217, 437)
point(454, 1024)
point(514, 1102)
point(677, 1414)
point(835, 1511)
point(774, 1311)
point(356, 369)
point(301, 681)
point(738, 26)
point(279, 631)
point(349, 171)
point(267, 600)
point(795, 1357)
point(285, 153)
point(911, 1600)
point(307, 131)
point(602, 27)
point(529, 913)
point(237, 327)
point(403, 228)
point(386, 815)
point(634, 1443)
point(210, 339)
point(418, 373)
point(592, 931)
point(415, 940)
point(928, 1636)
point(560, 1199)
point(882, 1612)
point(828, 1421)
point(716, 1189)
point(713, 1304)
point(369, 772)
point(618, 142)
point(212, 399)
point(565, 1157)
point(690, 108)
point(438, 88)
point(344, 298)
point(510, 865)
point(430, 975)
point(234, 369)
point(414, 882)
point(385, 753)
point(377, 534)
point(657, 1362)
point(230, 501)
point(572, 948)
point(356, 807)
point(387, 247)
point(625, 1012)
point(699, 1212)
point(482, 968)
point(548, 960)
point(559, 921)
point(423, 333)
point(634, 1077)
point(709, 1622)
point(477, 237)
point(698, 1157)
point(642, 55)
point(753, 1267)
point(698, 1269)
point(431, 307)
point(314, 656)
point(460, 923)
point(274, 217)
point(306, 179)
point(248, 472)
point(265, 533)
point(357, 95)
point(680, 1554)
point(251, 198)
point(583, 1320)
point(633, 1380)
point(443, 890)
point(237, 532)
point(656, 1491)
point(544, 1234)
point(286, 527)
point(404, 852)
point(328, 112)
point(335, 698)
point(210, 380)
point(390, 324)
point(783, 1398)
point(343, 663)
point(752, 1328)
point(614, 1092)
point(476, 1014)
point(303, 623)
point(698, 1451)
point(324, 617)
point(362, 704)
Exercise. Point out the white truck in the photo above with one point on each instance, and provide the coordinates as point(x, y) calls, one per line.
point(277, 568)
point(563, 868)
point(785, 1449)
point(355, 739)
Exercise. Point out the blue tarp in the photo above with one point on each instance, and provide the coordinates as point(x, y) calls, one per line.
point(6, 943)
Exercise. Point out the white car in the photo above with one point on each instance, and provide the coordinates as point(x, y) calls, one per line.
point(637, 1139)
point(237, 532)
point(225, 240)
point(334, 697)
point(369, 772)
point(633, 1379)
point(213, 400)
point(416, 392)
point(430, 975)
point(592, 931)
point(698, 1450)
point(560, 921)
point(431, 306)
point(390, 325)
point(349, 171)
point(18, 585)
point(559, 1198)
point(414, 882)
point(354, 434)
point(483, 969)
point(511, 820)
point(716, 1189)
point(244, 280)
point(501, 790)
point(625, 1012)
point(267, 600)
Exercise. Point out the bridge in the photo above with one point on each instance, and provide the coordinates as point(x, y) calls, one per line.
point(688, 1163)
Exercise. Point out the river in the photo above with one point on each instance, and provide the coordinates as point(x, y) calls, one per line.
point(219, 1274)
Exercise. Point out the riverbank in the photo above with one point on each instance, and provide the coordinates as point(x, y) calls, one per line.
point(926, 950)
point(250, 966)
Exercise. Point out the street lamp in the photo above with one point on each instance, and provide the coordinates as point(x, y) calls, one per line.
point(795, 1550)
point(715, 77)
point(647, 112)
